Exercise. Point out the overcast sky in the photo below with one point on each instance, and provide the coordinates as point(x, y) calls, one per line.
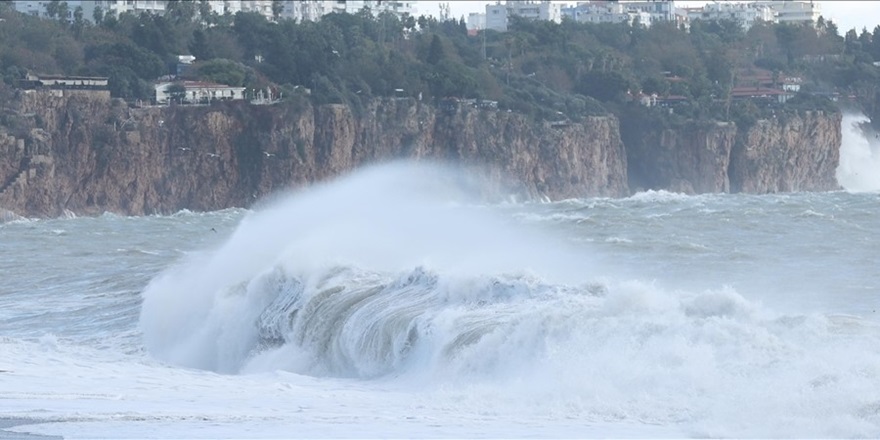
point(847, 14)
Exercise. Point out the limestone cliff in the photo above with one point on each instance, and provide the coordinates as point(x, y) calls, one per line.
point(795, 152)
point(89, 155)
point(792, 153)
point(689, 159)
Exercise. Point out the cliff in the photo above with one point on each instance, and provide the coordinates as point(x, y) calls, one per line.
point(795, 152)
point(787, 154)
point(87, 155)
point(693, 158)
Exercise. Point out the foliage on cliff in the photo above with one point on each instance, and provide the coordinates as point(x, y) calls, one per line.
point(547, 70)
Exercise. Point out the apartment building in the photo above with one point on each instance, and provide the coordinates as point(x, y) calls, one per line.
point(498, 15)
point(747, 14)
point(299, 10)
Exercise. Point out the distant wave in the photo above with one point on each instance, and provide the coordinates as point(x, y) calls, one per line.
point(859, 168)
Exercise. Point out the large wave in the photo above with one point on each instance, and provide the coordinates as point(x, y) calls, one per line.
point(392, 273)
point(385, 245)
point(859, 168)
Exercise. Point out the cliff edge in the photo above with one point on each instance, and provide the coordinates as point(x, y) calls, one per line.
point(88, 155)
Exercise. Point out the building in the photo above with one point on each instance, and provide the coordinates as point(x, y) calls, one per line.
point(641, 11)
point(37, 8)
point(789, 11)
point(657, 9)
point(313, 10)
point(761, 94)
point(652, 11)
point(498, 15)
point(398, 8)
point(60, 85)
point(120, 7)
point(476, 21)
point(746, 14)
point(232, 7)
point(605, 12)
point(196, 92)
point(298, 10)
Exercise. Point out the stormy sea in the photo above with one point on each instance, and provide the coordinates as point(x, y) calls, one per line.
point(390, 303)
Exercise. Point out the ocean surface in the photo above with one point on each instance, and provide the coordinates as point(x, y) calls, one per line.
point(389, 303)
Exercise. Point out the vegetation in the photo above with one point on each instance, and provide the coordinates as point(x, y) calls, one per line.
point(542, 69)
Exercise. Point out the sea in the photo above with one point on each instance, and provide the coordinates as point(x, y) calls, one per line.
point(392, 303)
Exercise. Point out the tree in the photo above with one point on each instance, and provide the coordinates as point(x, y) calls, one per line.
point(277, 9)
point(223, 71)
point(436, 53)
point(142, 63)
point(200, 48)
point(655, 85)
point(52, 8)
point(205, 12)
point(181, 11)
point(78, 22)
point(63, 12)
point(604, 86)
point(177, 93)
point(110, 19)
point(98, 15)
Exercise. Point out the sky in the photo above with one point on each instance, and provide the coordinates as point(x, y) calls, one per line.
point(847, 14)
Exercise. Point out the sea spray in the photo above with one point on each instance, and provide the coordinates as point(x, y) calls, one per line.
point(378, 224)
point(392, 278)
point(859, 169)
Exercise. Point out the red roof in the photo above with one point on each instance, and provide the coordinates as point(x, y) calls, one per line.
point(673, 98)
point(755, 91)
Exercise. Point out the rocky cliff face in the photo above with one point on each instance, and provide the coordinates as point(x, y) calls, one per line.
point(690, 159)
point(88, 155)
point(791, 153)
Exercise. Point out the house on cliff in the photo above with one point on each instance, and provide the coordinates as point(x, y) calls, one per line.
point(761, 94)
point(60, 85)
point(196, 92)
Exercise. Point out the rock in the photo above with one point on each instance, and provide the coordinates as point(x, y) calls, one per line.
point(103, 157)
point(792, 153)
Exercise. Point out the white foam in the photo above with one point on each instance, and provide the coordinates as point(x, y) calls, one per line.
point(859, 168)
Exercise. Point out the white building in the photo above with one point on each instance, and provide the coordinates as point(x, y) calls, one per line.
point(476, 21)
point(642, 11)
point(122, 6)
point(38, 7)
point(658, 9)
point(746, 14)
point(398, 8)
point(606, 12)
point(313, 10)
point(788, 11)
point(497, 15)
point(198, 92)
point(299, 10)
point(232, 7)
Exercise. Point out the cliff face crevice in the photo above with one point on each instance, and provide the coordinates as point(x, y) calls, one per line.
point(793, 153)
point(691, 159)
point(88, 155)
